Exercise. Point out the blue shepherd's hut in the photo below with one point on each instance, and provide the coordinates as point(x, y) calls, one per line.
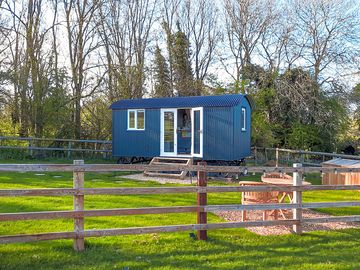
point(213, 128)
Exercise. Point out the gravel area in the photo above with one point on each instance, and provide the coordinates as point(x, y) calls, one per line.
point(164, 180)
point(161, 180)
point(234, 216)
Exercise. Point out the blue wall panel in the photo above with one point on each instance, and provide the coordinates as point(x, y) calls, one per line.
point(223, 137)
point(218, 133)
point(242, 139)
point(141, 143)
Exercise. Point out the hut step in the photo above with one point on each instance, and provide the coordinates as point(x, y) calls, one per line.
point(169, 161)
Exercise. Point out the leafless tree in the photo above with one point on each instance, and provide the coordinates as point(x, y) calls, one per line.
point(125, 33)
point(278, 46)
point(331, 36)
point(170, 11)
point(245, 22)
point(82, 43)
point(200, 23)
point(28, 65)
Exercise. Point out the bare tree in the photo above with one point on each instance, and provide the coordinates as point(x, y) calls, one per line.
point(125, 33)
point(29, 66)
point(278, 45)
point(330, 29)
point(82, 43)
point(246, 21)
point(169, 13)
point(200, 23)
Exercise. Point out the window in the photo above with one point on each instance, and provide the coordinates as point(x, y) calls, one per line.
point(136, 119)
point(243, 118)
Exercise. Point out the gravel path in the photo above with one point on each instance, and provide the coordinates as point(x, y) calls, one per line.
point(235, 216)
point(161, 180)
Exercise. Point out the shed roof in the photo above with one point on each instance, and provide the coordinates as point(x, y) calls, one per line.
point(343, 162)
point(181, 102)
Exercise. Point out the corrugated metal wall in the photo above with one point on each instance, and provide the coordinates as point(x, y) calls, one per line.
point(223, 138)
point(141, 143)
point(242, 139)
point(218, 133)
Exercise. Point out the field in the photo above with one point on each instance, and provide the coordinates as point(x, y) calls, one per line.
point(225, 249)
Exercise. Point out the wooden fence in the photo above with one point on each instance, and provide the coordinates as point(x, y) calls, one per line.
point(201, 208)
point(262, 155)
point(67, 147)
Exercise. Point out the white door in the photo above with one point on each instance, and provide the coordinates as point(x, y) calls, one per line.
point(197, 132)
point(168, 136)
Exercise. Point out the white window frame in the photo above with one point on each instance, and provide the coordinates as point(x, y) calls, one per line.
point(243, 113)
point(135, 111)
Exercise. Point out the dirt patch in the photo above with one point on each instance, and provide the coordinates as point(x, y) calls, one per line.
point(235, 216)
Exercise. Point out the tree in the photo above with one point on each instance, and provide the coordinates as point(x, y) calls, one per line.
point(183, 73)
point(245, 22)
point(355, 99)
point(328, 30)
point(125, 32)
point(169, 13)
point(161, 75)
point(30, 71)
point(199, 21)
point(82, 43)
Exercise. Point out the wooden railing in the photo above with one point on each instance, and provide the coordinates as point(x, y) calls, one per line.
point(201, 208)
point(262, 155)
point(66, 146)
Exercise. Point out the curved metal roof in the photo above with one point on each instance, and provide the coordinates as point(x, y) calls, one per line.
point(181, 102)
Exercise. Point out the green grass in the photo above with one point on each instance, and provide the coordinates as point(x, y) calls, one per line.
point(225, 249)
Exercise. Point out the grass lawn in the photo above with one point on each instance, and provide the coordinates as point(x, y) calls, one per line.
point(225, 249)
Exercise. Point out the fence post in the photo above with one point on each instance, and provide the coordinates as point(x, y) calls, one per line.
point(277, 157)
point(69, 150)
point(201, 201)
point(288, 159)
point(297, 199)
point(255, 155)
point(78, 180)
point(103, 147)
point(31, 151)
point(266, 156)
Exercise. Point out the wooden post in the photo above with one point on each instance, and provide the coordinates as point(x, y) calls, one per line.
point(302, 157)
point(277, 157)
point(266, 157)
point(255, 155)
point(69, 150)
point(201, 201)
point(31, 152)
point(288, 159)
point(78, 180)
point(103, 147)
point(297, 199)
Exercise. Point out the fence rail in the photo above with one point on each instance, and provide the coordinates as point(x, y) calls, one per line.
point(66, 146)
point(201, 208)
point(260, 155)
